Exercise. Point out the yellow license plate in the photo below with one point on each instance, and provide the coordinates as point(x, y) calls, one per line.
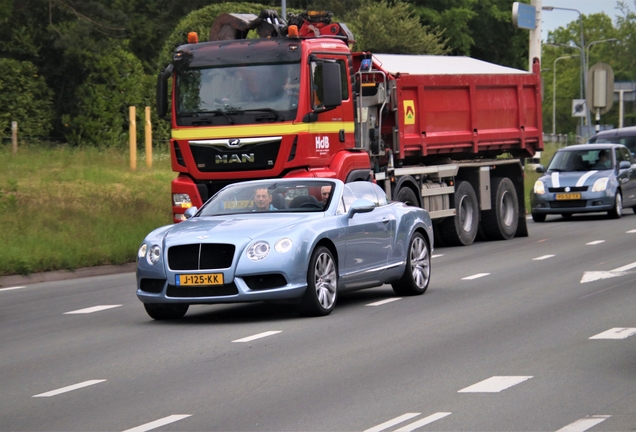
point(568, 196)
point(200, 279)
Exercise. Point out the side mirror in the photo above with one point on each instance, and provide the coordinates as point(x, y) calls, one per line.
point(360, 206)
point(624, 165)
point(332, 85)
point(190, 212)
point(162, 91)
point(540, 169)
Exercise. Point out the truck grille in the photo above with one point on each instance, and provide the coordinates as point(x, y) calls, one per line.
point(249, 157)
point(204, 256)
point(201, 291)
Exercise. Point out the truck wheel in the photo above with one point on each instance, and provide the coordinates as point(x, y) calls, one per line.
point(160, 312)
point(500, 222)
point(538, 217)
point(407, 196)
point(461, 229)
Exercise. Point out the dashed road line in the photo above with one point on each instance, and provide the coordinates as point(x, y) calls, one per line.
point(584, 424)
point(630, 231)
point(423, 422)
point(91, 309)
point(158, 423)
point(595, 242)
point(542, 257)
point(592, 276)
point(495, 384)
point(69, 388)
point(381, 302)
point(257, 336)
point(616, 333)
point(12, 288)
point(392, 422)
point(475, 276)
point(437, 256)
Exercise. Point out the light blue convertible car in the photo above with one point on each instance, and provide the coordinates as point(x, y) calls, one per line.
point(302, 241)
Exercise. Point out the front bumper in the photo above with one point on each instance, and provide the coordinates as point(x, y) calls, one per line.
point(590, 202)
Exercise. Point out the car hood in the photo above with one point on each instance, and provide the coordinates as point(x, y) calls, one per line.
point(233, 228)
point(574, 178)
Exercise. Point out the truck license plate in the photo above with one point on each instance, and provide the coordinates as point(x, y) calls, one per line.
point(568, 196)
point(200, 279)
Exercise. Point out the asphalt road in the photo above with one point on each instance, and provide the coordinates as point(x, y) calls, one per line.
point(531, 334)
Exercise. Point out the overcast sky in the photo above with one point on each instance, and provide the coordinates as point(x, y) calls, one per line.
point(551, 20)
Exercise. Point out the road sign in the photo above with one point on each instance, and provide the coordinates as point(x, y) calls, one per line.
point(600, 88)
point(578, 108)
point(524, 16)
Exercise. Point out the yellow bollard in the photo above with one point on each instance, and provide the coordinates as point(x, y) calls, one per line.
point(133, 137)
point(148, 131)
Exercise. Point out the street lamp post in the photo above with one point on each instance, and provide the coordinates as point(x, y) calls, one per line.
point(587, 49)
point(583, 65)
point(554, 92)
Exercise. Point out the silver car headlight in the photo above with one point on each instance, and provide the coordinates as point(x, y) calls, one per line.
point(539, 187)
point(154, 254)
point(283, 245)
point(142, 250)
point(600, 185)
point(257, 251)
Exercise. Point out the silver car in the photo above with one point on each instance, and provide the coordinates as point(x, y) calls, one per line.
point(303, 241)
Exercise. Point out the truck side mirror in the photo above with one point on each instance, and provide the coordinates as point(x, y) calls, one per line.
point(162, 91)
point(332, 90)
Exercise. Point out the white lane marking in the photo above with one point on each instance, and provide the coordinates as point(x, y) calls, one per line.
point(381, 302)
point(494, 384)
point(12, 288)
point(630, 231)
point(257, 336)
point(441, 255)
point(584, 177)
point(542, 257)
point(584, 424)
point(555, 180)
point(475, 276)
point(595, 242)
point(69, 388)
point(392, 422)
point(158, 423)
point(616, 333)
point(597, 275)
point(427, 420)
point(91, 309)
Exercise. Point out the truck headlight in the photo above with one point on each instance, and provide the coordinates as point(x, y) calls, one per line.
point(257, 251)
point(181, 200)
point(154, 254)
point(600, 185)
point(539, 187)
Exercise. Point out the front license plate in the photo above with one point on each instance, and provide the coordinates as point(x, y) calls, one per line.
point(200, 279)
point(568, 196)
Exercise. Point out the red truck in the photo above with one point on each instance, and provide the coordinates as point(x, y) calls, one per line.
point(448, 134)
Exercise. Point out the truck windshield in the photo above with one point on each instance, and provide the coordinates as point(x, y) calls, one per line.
point(243, 94)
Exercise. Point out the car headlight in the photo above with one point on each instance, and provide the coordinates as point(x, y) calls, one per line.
point(257, 251)
point(142, 250)
point(600, 185)
point(181, 200)
point(539, 187)
point(283, 245)
point(154, 254)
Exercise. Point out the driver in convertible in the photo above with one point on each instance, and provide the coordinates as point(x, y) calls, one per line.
point(263, 200)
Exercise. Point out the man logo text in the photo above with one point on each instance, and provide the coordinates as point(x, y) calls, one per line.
point(234, 158)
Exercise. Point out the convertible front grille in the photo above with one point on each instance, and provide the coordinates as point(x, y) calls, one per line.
point(204, 256)
point(202, 291)
point(264, 282)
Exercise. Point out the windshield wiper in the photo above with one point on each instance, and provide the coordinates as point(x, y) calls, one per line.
point(205, 113)
point(279, 116)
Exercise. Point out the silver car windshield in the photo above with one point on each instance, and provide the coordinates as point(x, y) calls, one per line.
point(276, 197)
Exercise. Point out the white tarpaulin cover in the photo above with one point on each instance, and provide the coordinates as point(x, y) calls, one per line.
point(439, 65)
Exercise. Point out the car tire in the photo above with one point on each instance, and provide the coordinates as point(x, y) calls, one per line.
point(617, 211)
point(566, 215)
point(538, 217)
point(160, 312)
point(461, 229)
point(407, 196)
point(500, 222)
point(322, 284)
point(417, 271)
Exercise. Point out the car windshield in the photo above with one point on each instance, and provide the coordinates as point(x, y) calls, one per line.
point(224, 94)
point(581, 160)
point(270, 197)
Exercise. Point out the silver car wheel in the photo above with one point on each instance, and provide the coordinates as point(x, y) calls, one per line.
point(420, 263)
point(325, 280)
